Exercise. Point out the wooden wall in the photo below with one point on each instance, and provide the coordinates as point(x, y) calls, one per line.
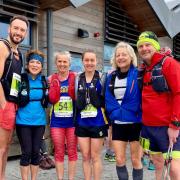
point(65, 24)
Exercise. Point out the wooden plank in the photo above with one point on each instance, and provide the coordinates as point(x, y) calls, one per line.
point(80, 44)
point(73, 30)
point(73, 37)
point(89, 8)
point(78, 20)
point(92, 16)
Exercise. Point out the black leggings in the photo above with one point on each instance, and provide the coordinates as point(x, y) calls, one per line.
point(30, 138)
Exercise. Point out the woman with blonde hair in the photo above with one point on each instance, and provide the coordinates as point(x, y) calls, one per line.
point(123, 106)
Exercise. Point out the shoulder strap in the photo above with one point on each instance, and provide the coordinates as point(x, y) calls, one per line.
point(161, 62)
point(24, 76)
point(103, 77)
point(45, 99)
point(76, 85)
point(164, 59)
point(71, 75)
point(54, 77)
point(96, 78)
point(71, 85)
point(20, 56)
point(25, 81)
point(82, 80)
point(44, 82)
point(23, 96)
point(82, 75)
point(113, 77)
point(112, 81)
point(54, 89)
point(7, 43)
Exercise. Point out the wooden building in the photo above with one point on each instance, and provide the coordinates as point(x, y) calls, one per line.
point(54, 26)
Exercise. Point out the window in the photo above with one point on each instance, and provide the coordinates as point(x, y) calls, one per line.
point(108, 51)
point(118, 25)
point(4, 33)
point(76, 62)
point(28, 8)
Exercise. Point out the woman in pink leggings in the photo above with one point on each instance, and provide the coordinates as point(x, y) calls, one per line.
point(61, 95)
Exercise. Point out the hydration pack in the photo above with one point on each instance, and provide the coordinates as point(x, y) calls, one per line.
point(23, 97)
point(114, 74)
point(6, 76)
point(55, 86)
point(89, 95)
point(157, 81)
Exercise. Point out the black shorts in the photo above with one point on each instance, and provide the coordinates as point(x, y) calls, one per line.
point(92, 132)
point(126, 132)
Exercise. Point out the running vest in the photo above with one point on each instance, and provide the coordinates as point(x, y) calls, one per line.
point(55, 86)
point(11, 76)
point(89, 95)
point(157, 81)
point(114, 74)
point(23, 97)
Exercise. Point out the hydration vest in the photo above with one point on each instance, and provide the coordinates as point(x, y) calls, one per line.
point(114, 74)
point(55, 86)
point(89, 95)
point(23, 97)
point(157, 81)
point(12, 67)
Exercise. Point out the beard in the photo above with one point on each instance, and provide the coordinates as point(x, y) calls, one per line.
point(13, 39)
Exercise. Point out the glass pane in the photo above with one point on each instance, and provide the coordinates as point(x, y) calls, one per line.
point(4, 33)
point(76, 63)
point(108, 50)
point(107, 68)
point(3, 30)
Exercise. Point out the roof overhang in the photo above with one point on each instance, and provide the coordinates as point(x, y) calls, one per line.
point(53, 4)
point(57, 5)
point(143, 16)
point(168, 12)
point(77, 3)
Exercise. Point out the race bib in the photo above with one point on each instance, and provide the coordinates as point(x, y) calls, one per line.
point(16, 79)
point(89, 111)
point(64, 108)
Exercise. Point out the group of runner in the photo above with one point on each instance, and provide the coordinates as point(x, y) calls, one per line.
point(142, 106)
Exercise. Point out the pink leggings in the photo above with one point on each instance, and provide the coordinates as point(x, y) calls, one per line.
point(58, 136)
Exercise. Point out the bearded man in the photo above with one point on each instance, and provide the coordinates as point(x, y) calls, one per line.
point(10, 70)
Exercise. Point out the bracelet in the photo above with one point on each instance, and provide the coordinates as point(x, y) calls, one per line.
point(176, 123)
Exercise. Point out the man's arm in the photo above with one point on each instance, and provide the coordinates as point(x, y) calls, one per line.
point(171, 71)
point(4, 53)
